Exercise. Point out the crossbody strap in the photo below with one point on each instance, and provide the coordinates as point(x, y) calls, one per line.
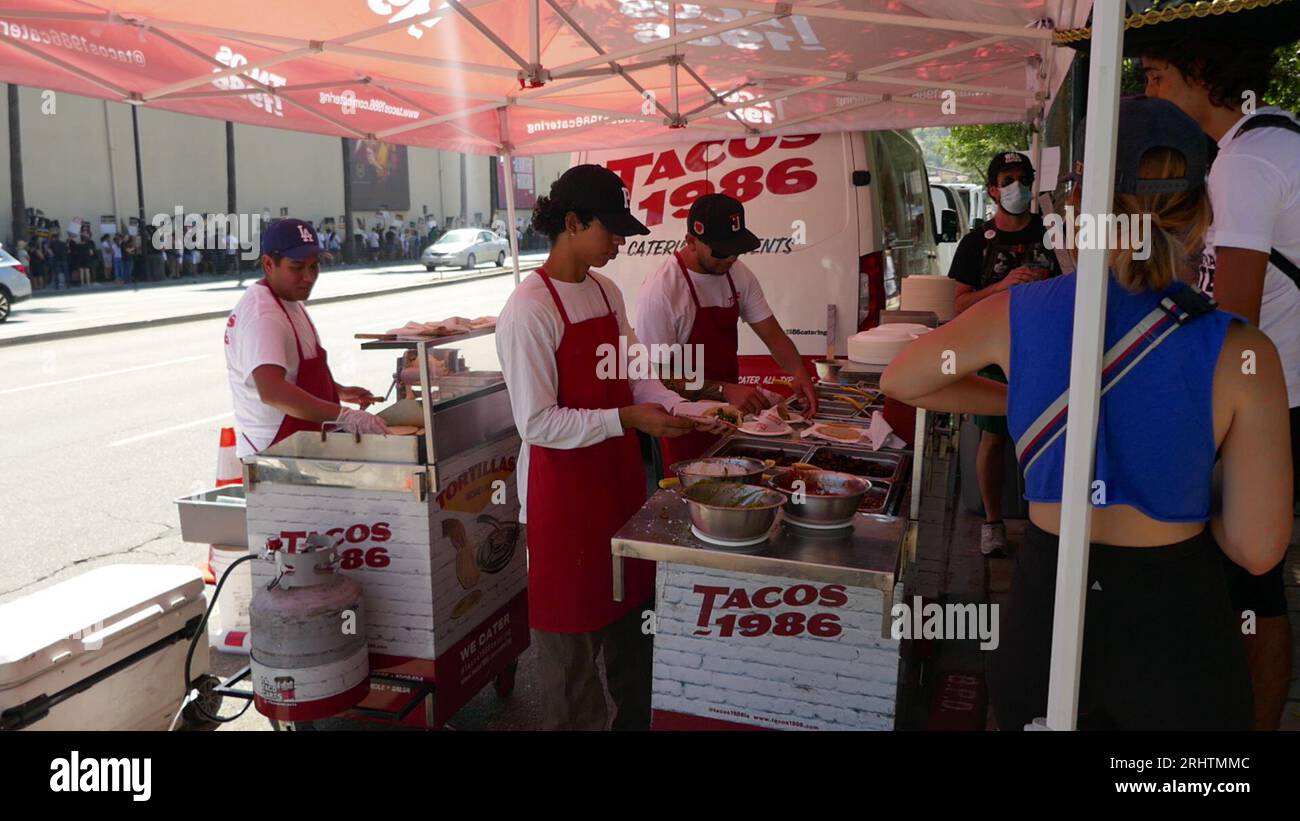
point(1149, 333)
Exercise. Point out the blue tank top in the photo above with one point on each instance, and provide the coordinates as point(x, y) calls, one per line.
point(1155, 428)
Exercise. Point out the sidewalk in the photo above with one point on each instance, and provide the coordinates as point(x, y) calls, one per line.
point(104, 308)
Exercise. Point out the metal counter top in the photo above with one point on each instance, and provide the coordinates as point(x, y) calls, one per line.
point(864, 555)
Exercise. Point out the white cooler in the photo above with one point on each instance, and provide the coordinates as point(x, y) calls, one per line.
point(102, 651)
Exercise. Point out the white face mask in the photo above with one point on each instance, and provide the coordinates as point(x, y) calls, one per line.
point(1014, 198)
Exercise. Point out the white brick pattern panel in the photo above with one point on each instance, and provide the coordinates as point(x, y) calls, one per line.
point(416, 604)
point(841, 682)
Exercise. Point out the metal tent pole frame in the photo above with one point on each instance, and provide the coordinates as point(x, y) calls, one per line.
point(507, 158)
point(1085, 373)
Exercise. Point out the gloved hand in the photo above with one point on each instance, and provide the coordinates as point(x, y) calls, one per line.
point(359, 421)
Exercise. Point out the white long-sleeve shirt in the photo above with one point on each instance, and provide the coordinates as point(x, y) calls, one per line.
point(528, 335)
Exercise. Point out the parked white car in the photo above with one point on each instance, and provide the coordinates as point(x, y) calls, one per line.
point(14, 284)
point(466, 248)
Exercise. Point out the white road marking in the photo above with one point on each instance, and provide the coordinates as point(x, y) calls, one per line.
point(104, 373)
point(205, 420)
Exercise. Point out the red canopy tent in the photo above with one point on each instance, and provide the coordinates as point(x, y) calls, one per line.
point(536, 76)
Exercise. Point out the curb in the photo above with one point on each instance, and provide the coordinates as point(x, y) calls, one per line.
point(176, 320)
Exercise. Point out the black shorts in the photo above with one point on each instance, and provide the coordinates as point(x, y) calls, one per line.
point(1265, 595)
point(1161, 645)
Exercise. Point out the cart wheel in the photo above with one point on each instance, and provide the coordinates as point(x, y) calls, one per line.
point(210, 702)
point(504, 683)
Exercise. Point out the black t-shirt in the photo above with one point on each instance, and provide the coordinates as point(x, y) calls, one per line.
point(985, 256)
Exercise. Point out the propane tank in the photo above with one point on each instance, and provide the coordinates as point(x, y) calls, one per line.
point(309, 655)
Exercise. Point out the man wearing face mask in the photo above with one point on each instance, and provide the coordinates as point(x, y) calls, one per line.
point(1006, 252)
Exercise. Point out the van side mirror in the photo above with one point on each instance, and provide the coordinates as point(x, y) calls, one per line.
point(948, 226)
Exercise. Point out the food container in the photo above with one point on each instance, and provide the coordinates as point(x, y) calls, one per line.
point(732, 511)
point(829, 369)
point(720, 468)
point(780, 455)
point(828, 498)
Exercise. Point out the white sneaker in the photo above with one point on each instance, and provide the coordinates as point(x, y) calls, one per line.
point(993, 540)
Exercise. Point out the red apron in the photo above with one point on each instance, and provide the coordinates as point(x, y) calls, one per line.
point(717, 329)
point(578, 498)
point(313, 376)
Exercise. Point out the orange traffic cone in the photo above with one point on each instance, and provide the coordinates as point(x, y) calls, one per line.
point(229, 471)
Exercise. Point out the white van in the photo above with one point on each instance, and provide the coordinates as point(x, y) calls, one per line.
point(950, 225)
point(843, 218)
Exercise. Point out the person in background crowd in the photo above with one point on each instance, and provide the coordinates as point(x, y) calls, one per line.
point(1251, 266)
point(171, 263)
point(30, 251)
point(234, 264)
point(1005, 253)
point(20, 254)
point(196, 261)
point(59, 259)
point(135, 264)
point(1161, 645)
point(106, 257)
point(372, 244)
point(82, 251)
point(119, 261)
point(40, 263)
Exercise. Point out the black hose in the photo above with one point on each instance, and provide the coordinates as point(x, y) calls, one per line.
point(194, 642)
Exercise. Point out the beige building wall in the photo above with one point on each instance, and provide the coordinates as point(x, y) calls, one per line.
point(77, 163)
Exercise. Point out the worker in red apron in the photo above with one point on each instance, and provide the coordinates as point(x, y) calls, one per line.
point(692, 305)
point(280, 378)
point(580, 470)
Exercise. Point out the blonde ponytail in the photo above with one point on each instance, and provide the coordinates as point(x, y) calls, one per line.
point(1178, 222)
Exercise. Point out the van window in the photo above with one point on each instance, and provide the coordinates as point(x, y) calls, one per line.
point(905, 212)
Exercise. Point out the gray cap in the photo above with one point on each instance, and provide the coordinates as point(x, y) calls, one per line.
point(1146, 123)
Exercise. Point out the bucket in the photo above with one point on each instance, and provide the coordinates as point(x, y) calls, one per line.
point(228, 626)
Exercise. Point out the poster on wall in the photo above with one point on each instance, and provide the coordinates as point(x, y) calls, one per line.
point(525, 184)
point(379, 175)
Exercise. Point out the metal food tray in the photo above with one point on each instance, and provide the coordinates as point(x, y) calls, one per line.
point(729, 446)
point(894, 482)
point(410, 343)
point(217, 516)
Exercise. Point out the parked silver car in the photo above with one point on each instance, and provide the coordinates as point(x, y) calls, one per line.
point(14, 284)
point(466, 248)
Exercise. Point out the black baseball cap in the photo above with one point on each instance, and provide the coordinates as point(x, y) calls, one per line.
point(1009, 159)
point(718, 221)
point(1146, 123)
point(596, 189)
point(292, 238)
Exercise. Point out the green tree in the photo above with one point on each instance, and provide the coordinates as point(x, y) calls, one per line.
point(1284, 91)
point(969, 147)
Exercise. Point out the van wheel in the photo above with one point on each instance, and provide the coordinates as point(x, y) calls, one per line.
point(501, 259)
point(6, 304)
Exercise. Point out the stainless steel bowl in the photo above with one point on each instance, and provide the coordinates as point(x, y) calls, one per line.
point(829, 369)
point(738, 468)
point(730, 510)
point(828, 496)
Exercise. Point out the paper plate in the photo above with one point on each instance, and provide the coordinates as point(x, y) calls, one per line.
point(782, 430)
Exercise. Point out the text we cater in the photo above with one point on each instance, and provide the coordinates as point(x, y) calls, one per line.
point(749, 169)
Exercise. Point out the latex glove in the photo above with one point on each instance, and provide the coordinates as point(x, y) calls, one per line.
point(359, 421)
